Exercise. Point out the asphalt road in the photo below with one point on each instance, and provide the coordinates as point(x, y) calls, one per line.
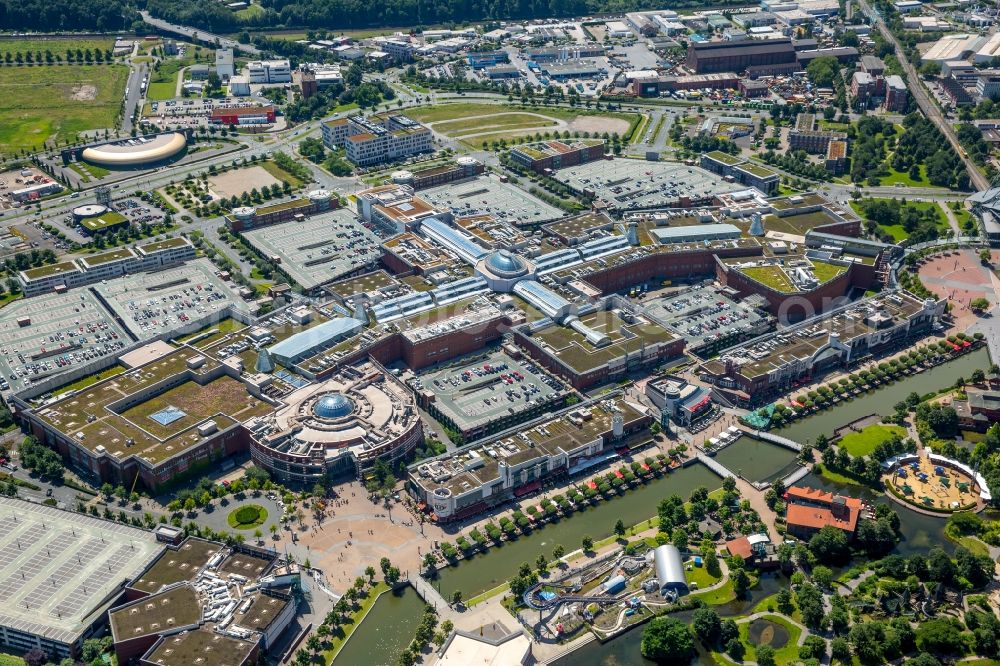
point(926, 104)
point(205, 37)
point(134, 95)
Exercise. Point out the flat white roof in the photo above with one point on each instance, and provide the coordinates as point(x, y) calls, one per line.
point(59, 568)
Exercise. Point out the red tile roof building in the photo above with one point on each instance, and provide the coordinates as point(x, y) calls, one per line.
point(810, 510)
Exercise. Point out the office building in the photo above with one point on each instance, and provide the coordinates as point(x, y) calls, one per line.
point(805, 136)
point(557, 154)
point(741, 170)
point(110, 264)
point(224, 64)
point(378, 138)
point(988, 84)
point(269, 71)
point(897, 97)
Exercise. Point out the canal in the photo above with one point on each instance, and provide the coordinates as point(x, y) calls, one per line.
point(882, 399)
point(757, 460)
point(385, 632)
point(500, 563)
point(919, 532)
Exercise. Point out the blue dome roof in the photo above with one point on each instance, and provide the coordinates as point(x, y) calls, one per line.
point(502, 262)
point(333, 406)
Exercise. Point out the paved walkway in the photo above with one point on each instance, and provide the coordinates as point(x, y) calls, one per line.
point(757, 503)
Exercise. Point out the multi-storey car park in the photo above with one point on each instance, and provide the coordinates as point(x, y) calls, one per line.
point(487, 392)
point(319, 249)
point(626, 185)
point(60, 572)
point(488, 195)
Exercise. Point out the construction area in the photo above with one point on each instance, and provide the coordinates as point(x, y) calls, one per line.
point(319, 249)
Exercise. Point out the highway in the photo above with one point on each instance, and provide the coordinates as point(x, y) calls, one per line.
point(202, 36)
point(926, 104)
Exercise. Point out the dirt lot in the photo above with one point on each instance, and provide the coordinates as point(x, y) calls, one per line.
point(599, 124)
point(235, 183)
point(13, 180)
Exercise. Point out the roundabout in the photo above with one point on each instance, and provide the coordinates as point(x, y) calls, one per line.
point(247, 517)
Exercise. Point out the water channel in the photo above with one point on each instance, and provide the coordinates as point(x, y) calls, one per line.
point(919, 532)
point(500, 563)
point(386, 631)
point(757, 460)
point(882, 399)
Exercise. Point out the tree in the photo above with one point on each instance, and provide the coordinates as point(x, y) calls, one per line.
point(456, 597)
point(829, 545)
point(941, 636)
point(822, 576)
point(741, 582)
point(979, 305)
point(588, 544)
point(813, 647)
point(840, 650)
point(667, 640)
point(620, 528)
point(35, 657)
point(930, 69)
point(765, 655)
point(707, 626)
point(558, 552)
point(822, 71)
point(784, 601)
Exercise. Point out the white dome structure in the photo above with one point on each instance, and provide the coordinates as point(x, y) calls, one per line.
point(136, 152)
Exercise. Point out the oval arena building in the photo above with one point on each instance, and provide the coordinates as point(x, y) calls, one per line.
point(338, 427)
point(140, 151)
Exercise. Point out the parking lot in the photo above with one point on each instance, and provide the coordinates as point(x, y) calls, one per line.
point(153, 303)
point(486, 195)
point(135, 210)
point(637, 185)
point(703, 315)
point(195, 112)
point(49, 334)
point(320, 249)
point(472, 392)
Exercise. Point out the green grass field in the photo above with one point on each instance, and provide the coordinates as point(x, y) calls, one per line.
point(39, 103)
point(280, 173)
point(903, 178)
point(864, 442)
point(512, 121)
point(56, 45)
point(786, 654)
point(465, 118)
point(10, 660)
